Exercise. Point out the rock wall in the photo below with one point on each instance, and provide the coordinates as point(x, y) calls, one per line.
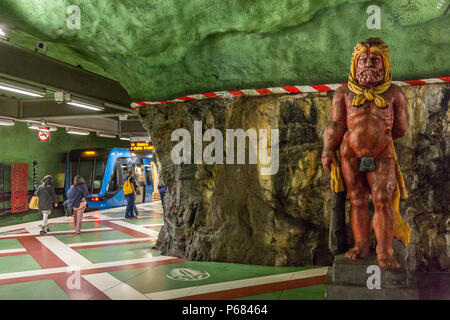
point(232, 213)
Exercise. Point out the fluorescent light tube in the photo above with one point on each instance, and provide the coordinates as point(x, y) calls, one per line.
point(126, 139)
point(6, 122)
point(78, 132)
point(36, 126)
point(3, 35)
point(21, 91)
point(106, 135)
point(85, 105)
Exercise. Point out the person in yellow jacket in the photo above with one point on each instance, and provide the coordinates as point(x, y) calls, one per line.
point(129, 192)
point(367, 115)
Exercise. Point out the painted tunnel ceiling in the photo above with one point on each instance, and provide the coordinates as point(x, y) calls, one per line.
point(161, 49)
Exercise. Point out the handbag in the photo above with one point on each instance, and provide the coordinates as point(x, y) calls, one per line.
point(34, 203)
point(83, 205)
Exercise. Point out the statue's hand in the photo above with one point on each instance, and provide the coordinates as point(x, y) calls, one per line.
point(327, 158)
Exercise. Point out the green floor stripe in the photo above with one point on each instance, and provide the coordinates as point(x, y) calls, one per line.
point(71, 226)
point(10, 244)
point(155, 278)
point(35, 290)
point(23, 262)
point(119, 252)
point(92, 236)
point(306, 293)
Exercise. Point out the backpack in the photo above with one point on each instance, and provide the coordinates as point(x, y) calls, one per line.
point(127, 189)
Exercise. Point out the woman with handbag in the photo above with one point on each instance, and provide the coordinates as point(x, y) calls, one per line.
point(47, 200)
point(76, 198)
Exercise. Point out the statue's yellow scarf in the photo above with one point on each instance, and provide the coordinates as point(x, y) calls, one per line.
point(363, 93)
point(402, 229)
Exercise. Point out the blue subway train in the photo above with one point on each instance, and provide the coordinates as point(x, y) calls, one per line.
point(105, 170)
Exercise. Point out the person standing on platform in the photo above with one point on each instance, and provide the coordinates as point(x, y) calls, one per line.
point(76, 198)
point(130, 194)
point(136, 188)
point(162, 192)
point(47, 200)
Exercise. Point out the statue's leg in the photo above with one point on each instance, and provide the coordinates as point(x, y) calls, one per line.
point(358, 191)
point(382, 183)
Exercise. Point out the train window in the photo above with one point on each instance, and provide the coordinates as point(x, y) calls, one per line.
point(85, 170)
point(99, 172)
point(124, 166)
point(139, 173)
point(73, 169)
point(114, 183)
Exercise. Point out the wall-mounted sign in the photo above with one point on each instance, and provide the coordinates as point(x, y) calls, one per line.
point(44, 134)
point(140, 139)
point(141, 146)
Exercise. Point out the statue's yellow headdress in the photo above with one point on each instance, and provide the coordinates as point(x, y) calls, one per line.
point(363, 93)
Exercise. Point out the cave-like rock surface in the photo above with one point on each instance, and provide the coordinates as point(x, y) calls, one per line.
point(164, 49)
point(230, 212)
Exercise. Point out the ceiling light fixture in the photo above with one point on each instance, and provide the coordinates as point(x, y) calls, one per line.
point(124, 138)
point(3, 35)
point(24, 89)
point(77, 131)
point(106, 135)
point(37, 126)
point(7, 122)
point(85, 105)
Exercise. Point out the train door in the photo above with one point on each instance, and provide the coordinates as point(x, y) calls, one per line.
point(148, 180)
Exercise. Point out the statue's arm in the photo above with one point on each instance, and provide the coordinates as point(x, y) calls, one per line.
point(400, 125)
point(335, 129)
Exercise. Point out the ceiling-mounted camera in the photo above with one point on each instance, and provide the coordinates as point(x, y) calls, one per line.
point(59, 97)
point(41, 47)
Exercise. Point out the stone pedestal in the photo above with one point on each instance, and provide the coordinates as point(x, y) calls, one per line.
point(347, 280)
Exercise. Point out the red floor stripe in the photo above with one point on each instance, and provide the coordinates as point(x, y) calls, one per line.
point(258, 289)
point(87, 290)
point(123, 229)
point(41, 253)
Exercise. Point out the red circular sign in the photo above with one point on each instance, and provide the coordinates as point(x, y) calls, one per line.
point(43, 134)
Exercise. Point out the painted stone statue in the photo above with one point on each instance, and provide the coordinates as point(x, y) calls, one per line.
point(367, 115)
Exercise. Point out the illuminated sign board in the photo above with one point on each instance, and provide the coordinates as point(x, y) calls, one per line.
point(141, 146)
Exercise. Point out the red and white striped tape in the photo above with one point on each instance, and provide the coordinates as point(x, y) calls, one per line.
point(277, 90)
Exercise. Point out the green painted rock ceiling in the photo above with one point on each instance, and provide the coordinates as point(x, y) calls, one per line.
point(160, 49)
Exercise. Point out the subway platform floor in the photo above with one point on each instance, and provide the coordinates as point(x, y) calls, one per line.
point(115, 259)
